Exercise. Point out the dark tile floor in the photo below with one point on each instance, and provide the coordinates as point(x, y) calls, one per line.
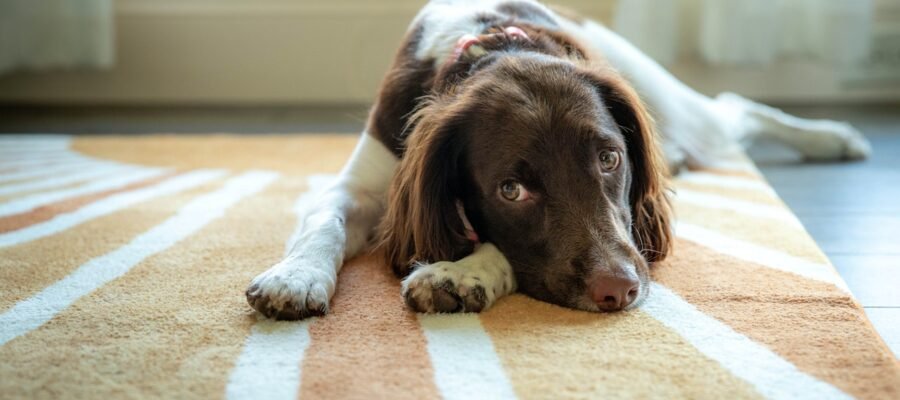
point(851, 209)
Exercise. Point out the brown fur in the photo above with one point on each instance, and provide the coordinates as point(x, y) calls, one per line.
point(441, 120)
point(405, 83)
point(420, 225)
point(650, 203)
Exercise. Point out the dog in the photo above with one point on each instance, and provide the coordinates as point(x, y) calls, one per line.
point(511, 148)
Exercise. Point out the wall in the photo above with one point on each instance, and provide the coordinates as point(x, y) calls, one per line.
point(249, 52)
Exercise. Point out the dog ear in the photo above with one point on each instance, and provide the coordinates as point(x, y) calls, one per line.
point(422, 223)
point(650, 206)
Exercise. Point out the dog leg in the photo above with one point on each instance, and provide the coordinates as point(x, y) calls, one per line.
point(335, 227)
point(697, 129)
point(819, 140)
point(471, 284)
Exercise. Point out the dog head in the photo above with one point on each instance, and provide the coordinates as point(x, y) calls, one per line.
point(552, 159)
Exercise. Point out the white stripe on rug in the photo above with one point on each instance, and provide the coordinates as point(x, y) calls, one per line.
point(38, 141)
point(20, 154)
point(33, 137)
point(28, 155)
point(245, 381)
point(24, 154)
point(28, 203)
point(722, 181)
point(41, 162)
point(739, 206)
point(31, 313)
point(25, 151)
point(771, 375)
point(108, 205)
point(466, 365)
point(760, 255)
point(269, 366)
point(34, 148)
point(64, 179)
point(50, 171)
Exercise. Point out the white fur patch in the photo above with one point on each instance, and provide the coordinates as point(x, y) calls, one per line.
point(476, 282)
point(445, 21)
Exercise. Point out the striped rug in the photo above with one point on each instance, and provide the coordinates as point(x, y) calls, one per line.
point(123, 262)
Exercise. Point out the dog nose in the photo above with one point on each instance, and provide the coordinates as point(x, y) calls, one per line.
point(614, 293)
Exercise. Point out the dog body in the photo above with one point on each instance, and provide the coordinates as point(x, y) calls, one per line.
point(510, 148)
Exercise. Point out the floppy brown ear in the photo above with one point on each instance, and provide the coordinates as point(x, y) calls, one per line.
point(422, 223)
point(650, 206)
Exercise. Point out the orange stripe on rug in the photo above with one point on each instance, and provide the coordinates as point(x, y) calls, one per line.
point(289, 154)
point(574, 354)
point(797, 318)
point(44, 213)
point(370, 345)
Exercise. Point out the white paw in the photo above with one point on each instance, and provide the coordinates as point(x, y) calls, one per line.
point(448, 287)
point(291, 290)
point(832, 140)
point(856, 146)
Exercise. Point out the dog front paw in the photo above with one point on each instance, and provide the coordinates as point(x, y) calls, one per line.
point(291, 292)
point(444, 287)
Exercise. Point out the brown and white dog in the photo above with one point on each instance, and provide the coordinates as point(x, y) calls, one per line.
point(511, 148)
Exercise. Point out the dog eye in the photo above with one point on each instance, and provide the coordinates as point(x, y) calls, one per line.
point(513, 191)
point(609, 160)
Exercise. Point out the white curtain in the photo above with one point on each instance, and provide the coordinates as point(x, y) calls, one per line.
point(750, 32)
point(45, 34)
